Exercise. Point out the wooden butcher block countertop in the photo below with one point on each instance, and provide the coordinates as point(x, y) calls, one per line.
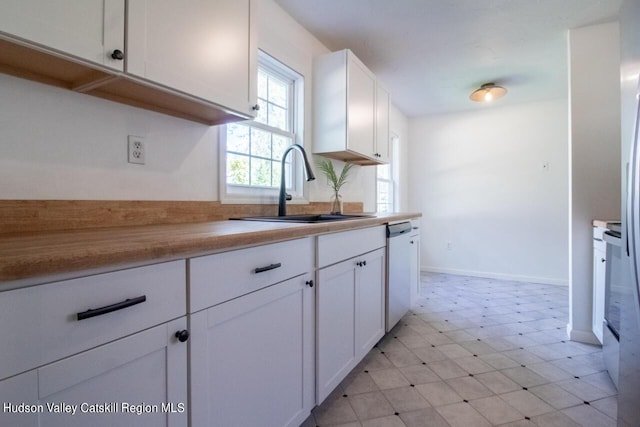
point(38, 257)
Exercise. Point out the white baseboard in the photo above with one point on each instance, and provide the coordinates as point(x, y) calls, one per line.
point(502, 276)
point(586, 337)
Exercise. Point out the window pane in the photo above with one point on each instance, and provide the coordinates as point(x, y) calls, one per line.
point(237, 169)
point(261, 172)
point(278, 92)
point(383, 208)
point(280, 143)
point(288, 173)
point(383, 172)
point(275, 173)
point(260, 143)
point(262, 84)
point(261, 117)
point(383, 192)
point(238, 138)
point(278, 117)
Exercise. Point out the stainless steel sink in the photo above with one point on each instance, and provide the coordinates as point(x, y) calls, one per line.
point(307, 218)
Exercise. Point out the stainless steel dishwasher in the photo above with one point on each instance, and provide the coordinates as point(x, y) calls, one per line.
point(398, 272)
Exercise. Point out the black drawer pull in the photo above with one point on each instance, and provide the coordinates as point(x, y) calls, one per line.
point(268, 267)
point(110, 308)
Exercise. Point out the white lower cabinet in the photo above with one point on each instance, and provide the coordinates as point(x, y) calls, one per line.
point(252, 358)
point(99, 345)
point(138, 380)
point(351, 318)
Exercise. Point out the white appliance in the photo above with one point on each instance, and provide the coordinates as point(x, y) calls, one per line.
point(614, 295)
point(629, 364)
point(398, 272)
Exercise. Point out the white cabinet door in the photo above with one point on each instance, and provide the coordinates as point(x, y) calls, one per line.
point(361, 113)
point(382, 124)
point(351, 317)
point(370, 307)
point(252, 358)
point(199, 47)
point(88, 29)
point(336, 326)
point(138, 380)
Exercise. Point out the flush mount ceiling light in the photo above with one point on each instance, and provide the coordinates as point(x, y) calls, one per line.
point(487, 93)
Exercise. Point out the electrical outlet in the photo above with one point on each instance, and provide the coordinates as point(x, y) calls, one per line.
point(137, 152)
point(449, 246)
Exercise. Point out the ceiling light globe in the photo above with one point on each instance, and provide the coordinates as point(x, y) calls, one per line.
point(488, 92)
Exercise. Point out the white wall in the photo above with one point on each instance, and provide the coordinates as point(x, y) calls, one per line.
point(594, 77)
point(55, 144)
point(479, 181)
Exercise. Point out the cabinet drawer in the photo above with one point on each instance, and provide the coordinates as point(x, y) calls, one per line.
point(337, 247)
point(221, 277)
point(41, 323)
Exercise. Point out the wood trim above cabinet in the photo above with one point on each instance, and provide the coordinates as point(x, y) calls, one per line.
point(37, 65)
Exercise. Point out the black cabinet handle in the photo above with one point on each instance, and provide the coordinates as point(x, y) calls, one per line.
point(111, 308)
point(256, 107)
point(117, 55)
point(603, 260)
point(361, 263)
point(411, 242)
point(309, 283)
point(182, 335)
point(267, 268)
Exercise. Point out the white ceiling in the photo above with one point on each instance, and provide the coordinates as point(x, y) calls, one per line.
point(431, 54)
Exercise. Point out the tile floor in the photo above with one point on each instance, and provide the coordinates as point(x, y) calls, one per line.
point(476, 352)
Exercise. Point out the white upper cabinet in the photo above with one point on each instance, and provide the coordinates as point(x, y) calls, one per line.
point(197, 47)
point(361, 95)
point(91, 29)
point(382, 124)
point(347, 116)
point(196, 59)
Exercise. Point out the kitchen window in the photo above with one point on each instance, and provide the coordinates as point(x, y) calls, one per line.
point(386, 181)
point(252, 150)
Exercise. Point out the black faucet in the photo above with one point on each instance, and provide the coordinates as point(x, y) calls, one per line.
point(282, 208)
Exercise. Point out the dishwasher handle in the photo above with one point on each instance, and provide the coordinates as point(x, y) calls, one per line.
point(394, 230)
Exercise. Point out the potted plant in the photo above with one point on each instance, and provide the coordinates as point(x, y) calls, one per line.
point(335, 182)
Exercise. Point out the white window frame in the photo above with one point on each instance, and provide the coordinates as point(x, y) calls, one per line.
point(393, 175)
point(242, 194)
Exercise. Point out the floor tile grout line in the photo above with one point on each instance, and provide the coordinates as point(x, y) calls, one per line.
point(510, 317)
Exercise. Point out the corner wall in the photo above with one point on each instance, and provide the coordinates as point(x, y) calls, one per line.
point(489, 207)
point(594, 150)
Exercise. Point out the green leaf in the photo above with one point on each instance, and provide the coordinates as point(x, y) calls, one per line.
point(326, 166)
